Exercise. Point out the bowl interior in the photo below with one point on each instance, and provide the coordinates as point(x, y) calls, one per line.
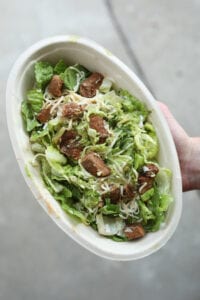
point(95, 58)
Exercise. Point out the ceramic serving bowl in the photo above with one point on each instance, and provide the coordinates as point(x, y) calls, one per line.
point(96, 58)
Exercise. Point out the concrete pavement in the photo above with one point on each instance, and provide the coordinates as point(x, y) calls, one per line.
point(160, 40)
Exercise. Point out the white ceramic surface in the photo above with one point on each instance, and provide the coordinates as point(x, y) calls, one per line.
point(75, 49)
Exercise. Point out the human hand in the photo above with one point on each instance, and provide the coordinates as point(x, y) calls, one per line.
point(188, 149)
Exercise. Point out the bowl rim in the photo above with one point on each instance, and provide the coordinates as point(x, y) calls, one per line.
point(16, 148)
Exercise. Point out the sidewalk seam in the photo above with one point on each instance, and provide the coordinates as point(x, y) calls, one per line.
point(132, 56)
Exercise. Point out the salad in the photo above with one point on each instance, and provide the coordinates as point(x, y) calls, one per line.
point(96, 150)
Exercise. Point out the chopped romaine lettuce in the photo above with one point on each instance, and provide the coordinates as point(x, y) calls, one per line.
point(147, 195)
point(43, 73)
point(110, 209)
point(132, 104)
point(35, 100)
point(53, 155)
point(109, 203)
point(109, 226)
point(75, 213)
point(163, 180)
point(90, 199)
point(28, 117)
point(73, 76)
point(105, 86)
point(60, 67)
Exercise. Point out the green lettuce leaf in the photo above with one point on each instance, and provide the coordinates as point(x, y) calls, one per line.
point(51, 184)
point(27, 115)
point(43, 73)
point(83, 69)
point(145, 212)
point(165, 201)
point(147, 145)
point(132, 104)
point(163, 180)
point(35, 100)
point(53, 155)
point(114, 101)
point(138, 161)
point(154, 225)
point(147, 195)
point(157, 205)
point(109, 226)
point(60, 192)
point(73, 76)
point(75, 213)
point(90, 199)
point(39, 135)
point(60, 67)
point(37, 147)
point(110, 209)
point(105, 86)
point(119, 238)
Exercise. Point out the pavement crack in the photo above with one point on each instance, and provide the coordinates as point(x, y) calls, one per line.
point(133, 58)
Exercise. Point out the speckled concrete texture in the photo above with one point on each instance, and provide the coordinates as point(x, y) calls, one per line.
point(160, 40)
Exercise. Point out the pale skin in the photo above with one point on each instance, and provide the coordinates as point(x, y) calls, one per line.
point(188, 149)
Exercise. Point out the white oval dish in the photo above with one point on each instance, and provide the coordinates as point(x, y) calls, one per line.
point(73, 50)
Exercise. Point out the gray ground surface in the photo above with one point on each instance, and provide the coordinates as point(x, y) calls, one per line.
point(160, 40)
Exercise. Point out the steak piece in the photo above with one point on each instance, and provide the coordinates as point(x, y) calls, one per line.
point(72, 110)
point(55, 86)
point(44, 115)
point(69, 144)
point(95, 165)
point(134, 231)
point(146, 177)
point(114, 195)
point(90, 85)
point(97, 123)
point(129, 191)
point(145, 183)
point(150, 170)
